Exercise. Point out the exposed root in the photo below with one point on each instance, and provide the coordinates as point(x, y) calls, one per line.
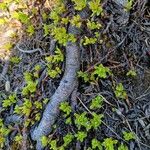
point(28, 51)
point(65, 88)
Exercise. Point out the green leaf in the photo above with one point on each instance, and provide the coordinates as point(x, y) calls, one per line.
point(38, 104)
point(76, 21)
point(10, 101)
point(82, 121)
point(128, 136)
point(128, 5)
point(122, 147)
point(79, 4)
point(15, 60)
point(21, 16)
point(83, 75)
point(93, 25)
point(96, 120)
point(96, 102)
point(30, 30)
point(102, 71)
point(109, 143)
point(87, 40)
point(96, 144)
point(27, 76)
point(53, 144)
point(96, 7)
point(27, 107)
point(120, 91)
point(81, 136)
point(131, 73)
point(68, 139)
point(18, 138)
point(44, 141)
point(64, 106)
point(46, 29)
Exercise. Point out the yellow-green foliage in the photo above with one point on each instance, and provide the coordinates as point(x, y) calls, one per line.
point(9, 101)
point(30, 84)
point(120, 91)
point(128, 5)
point(53, 68)
point(4, 131)
point(79, 4)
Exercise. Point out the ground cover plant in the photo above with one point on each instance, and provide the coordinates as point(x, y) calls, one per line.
point(74, 74)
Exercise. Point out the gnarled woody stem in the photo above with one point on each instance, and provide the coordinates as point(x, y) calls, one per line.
point(65, 87)
point(61, 94)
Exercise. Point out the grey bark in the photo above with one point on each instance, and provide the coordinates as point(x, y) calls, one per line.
point(65, 88)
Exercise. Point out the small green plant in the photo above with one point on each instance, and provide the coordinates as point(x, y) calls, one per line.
point(81, 120)
point(31, 84)
point(96, 7)
point(53, 73)
point(79, 4)
point(76, 21)
point(93, 25)
point(23, 17)
point(56, 12)
point(18, 138)
point(38, 105)
point(84, 75)
point(81, 136)
point(128, 5)
point(120, 91)
point(67, 139)
point(25, 108)
point(37, 69)
point(44, 141)
point(8, 46)
point(65, 21)
point(4, 131)
point(53, 145)
point(55, 17)
point(9, 101)
point(96, 120)
point(96, 144)
point(46, 29)
point(88, 40)
point(101, 71)
point(30, 29)
point(128, 136)
point(15, 60)
point(53, 61)
point(66, 108)
point(37, 117)
point(96, 102)
point(109, 143)
point(61, 35)
point(132, 73)
point(122, 147)
point(30, 87)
